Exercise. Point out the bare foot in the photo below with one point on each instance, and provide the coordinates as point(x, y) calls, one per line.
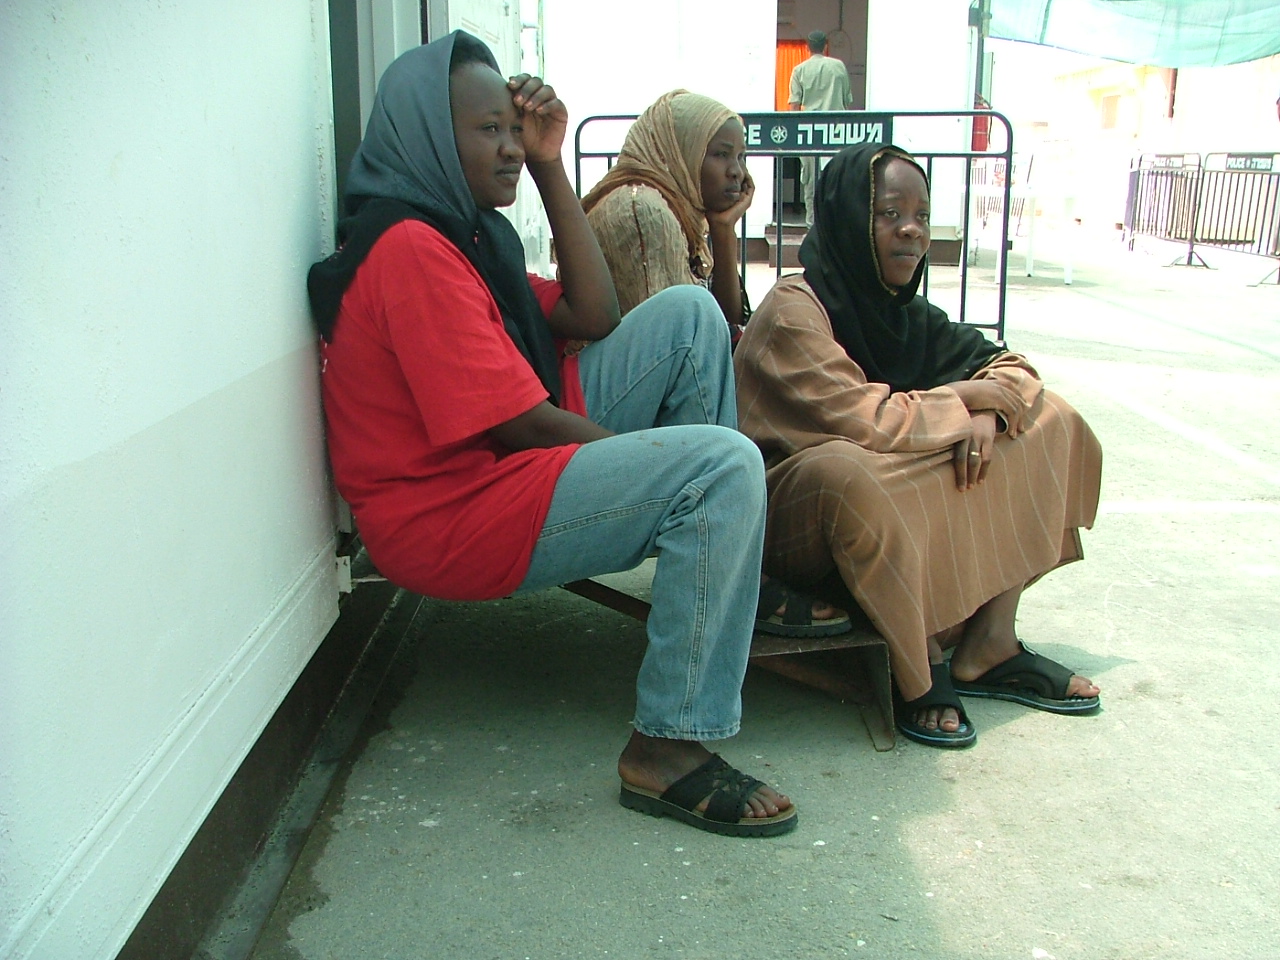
point(821, 610)
point(946, 719)
point(654, 763)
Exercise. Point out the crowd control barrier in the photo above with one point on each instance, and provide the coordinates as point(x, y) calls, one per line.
point(1225, 200)
point(823, 134)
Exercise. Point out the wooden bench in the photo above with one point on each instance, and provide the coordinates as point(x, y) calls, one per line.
point(853, 666)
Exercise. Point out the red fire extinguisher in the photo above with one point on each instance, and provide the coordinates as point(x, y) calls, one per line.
point(981, 125)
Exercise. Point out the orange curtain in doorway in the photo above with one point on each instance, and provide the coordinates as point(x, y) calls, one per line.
point(790, 52)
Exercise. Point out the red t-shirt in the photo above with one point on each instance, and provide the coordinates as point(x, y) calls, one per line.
point(419, 369)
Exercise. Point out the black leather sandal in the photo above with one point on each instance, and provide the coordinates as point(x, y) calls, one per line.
point(797, 620)
point(728, 789)
point(1032, 680)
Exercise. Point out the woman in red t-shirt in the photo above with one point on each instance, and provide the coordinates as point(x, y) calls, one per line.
point(479, 461)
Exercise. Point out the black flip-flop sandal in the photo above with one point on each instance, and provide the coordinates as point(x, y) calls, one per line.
point(1031, 680)
point(728, 790)
point(941, 694)
point(797, 620)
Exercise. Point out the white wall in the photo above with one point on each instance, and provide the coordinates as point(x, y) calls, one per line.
point(168, 564)
point(617, 58)
point(1221, 109)
point(919, 55)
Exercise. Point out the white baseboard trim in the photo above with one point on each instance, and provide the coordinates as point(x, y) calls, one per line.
point(94, 900)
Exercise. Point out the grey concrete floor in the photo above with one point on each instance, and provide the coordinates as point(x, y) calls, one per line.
point(480, 818)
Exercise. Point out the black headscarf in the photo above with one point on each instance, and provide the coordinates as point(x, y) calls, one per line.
point(895, 336)
point(407, 168)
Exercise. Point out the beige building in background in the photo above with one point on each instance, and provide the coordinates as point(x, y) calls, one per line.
point(1079, 122)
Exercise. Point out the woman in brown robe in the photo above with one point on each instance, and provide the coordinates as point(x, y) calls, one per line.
point(925, 464)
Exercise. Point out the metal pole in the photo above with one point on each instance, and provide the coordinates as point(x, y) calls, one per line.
point(1198, 182)
point(968, 228)
point(777, 216)
point(928, 170)
point(1003, 277)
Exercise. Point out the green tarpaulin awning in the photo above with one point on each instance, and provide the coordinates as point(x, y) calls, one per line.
point(1162, 33)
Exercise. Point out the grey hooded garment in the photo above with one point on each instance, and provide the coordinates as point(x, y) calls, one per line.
point(407, 168)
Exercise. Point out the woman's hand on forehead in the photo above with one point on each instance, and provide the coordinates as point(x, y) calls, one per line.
point(545, 117)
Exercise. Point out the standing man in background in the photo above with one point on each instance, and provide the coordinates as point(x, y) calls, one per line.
point(819, 83)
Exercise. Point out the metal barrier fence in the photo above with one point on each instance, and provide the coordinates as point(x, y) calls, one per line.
point(821, 134)
point(1228, 200)
point(987, 181)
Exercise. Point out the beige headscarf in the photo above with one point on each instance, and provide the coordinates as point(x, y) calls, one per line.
point(664, 149)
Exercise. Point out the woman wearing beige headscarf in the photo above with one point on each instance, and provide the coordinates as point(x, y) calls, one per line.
point(667, 212)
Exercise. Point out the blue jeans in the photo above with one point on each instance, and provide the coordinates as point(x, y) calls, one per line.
point(679, 480)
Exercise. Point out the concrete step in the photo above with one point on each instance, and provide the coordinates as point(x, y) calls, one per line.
point(789, 250)
point(765, 249)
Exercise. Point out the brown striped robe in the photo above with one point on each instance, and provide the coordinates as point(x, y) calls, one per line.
point(862, 480)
